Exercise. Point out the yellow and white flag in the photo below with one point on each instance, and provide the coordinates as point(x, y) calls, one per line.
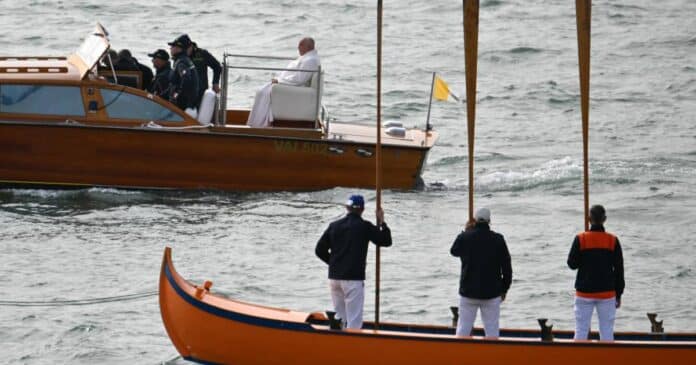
point(441, 90)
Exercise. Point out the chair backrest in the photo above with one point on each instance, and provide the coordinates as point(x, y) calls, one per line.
point(317, 82)
point(313, 81)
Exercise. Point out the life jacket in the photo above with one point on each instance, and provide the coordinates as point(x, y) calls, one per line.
point(597, 240)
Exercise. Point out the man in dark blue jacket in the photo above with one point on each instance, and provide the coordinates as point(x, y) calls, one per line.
point(160, 85)
point(599, 283)
point(343, 246)
point(486, 274)
point(183, 82)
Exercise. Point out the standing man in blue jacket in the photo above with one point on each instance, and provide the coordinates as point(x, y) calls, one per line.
point(599, 283)
point(486, 274)
point(183, 80)
point(343, 246)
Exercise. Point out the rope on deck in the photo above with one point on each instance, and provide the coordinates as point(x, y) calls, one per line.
point(90, 301)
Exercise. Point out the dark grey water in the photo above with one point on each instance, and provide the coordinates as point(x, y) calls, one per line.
point(67, 245)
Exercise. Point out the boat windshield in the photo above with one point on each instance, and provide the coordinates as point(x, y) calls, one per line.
point(93, 47)
point(122, 105)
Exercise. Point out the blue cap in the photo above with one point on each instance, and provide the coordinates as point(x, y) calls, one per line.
point(356, 201)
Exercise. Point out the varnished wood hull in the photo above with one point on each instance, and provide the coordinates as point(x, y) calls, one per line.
point(210, 329)
point(57, 154)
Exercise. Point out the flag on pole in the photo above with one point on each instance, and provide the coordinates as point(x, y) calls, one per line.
point(441, 90)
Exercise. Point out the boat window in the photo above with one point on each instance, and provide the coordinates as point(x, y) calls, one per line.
point(122, 105)
point(41, 99)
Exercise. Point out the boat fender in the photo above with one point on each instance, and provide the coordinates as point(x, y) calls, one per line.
point(546, 330)
point(392, 123)
point(396, 131)
point(207, 107)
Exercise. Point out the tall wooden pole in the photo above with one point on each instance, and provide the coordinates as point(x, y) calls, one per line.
point(378, 151)
point(471, 23)
point(583, 11)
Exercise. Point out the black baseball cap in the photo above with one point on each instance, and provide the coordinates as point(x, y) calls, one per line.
point(183, 42)
point(160, 53)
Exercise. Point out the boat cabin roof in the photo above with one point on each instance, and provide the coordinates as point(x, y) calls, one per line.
point(30, 68)
point(73, 67)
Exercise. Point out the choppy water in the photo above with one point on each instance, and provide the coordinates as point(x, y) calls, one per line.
point(91, 243)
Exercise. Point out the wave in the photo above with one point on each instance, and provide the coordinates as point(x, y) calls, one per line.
point(454, 160)
point(563, 173)
point(683, 272)
point(624, 6)
point(514, 54)
point(530, 50)
point(491, 3)
point(552, 174)
point(41, 193)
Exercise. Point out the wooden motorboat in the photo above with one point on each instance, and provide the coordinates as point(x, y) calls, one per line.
point(211, 329)
point(62, 123)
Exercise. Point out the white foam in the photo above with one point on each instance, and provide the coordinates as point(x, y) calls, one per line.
point(550, 173)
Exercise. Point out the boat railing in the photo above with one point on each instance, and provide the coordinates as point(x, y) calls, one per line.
point(221, 115)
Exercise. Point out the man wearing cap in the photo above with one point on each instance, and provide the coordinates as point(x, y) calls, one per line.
point(184, 77)
point(599, 283)
point(343, 246)
point(261, 115)
point(486, 274)
point(163, 69)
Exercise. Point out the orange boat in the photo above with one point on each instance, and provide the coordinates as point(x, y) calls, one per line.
point(63, 123)
point(212, 329)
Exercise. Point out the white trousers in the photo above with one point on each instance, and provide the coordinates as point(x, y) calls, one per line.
point(606, 312)
point(490, 314)
point(348, 299)
point(261, 115)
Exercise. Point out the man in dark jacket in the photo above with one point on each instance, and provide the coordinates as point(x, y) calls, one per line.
point(486, 274)
point(203, 59)
point(599, 283)
point(343, 246)
point(184, 79)
point(160, 85)
point(129, 62)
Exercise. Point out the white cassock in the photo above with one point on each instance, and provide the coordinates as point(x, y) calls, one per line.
point(261, 115)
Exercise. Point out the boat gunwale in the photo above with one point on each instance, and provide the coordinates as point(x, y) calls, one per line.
point(171, 275)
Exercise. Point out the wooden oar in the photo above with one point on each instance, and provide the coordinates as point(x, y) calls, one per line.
point(471, 20)
point(583, 12)
point(378, 152)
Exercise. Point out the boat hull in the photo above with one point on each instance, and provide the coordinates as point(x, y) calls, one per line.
point(59, 154)
point(209, 329)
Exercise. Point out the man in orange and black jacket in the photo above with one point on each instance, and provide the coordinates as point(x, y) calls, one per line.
point(599, 283)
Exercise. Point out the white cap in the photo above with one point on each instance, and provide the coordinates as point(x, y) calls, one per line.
point(483, 215)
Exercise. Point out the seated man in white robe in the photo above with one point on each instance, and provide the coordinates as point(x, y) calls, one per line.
point(261, 115)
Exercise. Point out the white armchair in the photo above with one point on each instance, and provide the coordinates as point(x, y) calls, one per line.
point(298, 103)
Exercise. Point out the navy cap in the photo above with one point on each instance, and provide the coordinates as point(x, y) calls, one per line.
point(356, 201)
point(160, 53)
point(183, 41)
